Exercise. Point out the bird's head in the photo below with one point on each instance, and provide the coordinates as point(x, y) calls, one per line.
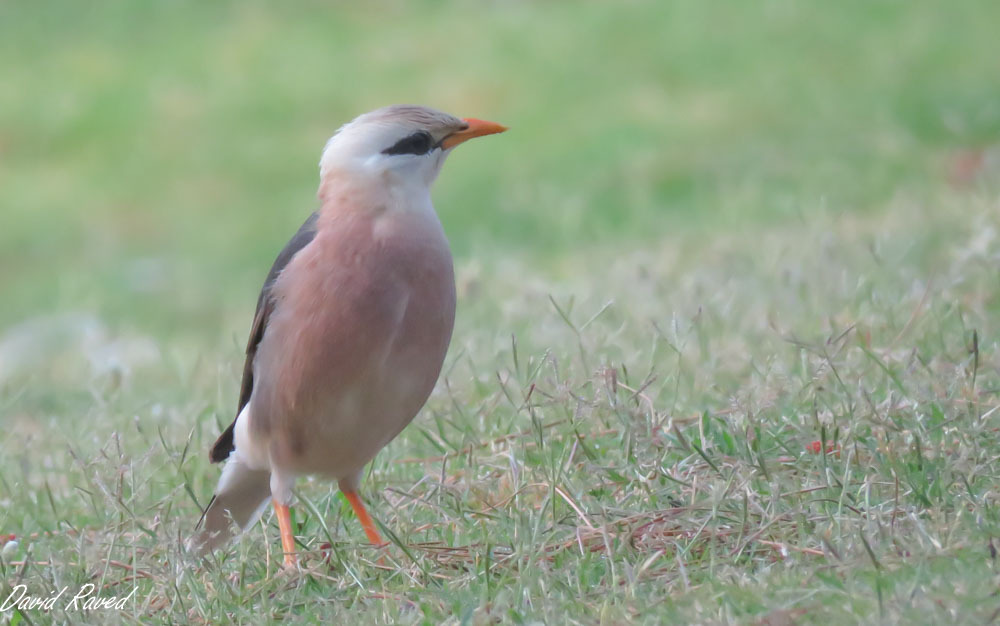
point(403, 143)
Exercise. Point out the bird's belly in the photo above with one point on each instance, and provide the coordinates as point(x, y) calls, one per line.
point(358, 408)
point(352, 428)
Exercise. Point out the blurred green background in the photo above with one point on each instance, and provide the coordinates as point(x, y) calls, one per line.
point(155, 156)
point(722, 188)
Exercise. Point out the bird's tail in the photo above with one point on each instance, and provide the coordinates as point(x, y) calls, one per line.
point(239, 500)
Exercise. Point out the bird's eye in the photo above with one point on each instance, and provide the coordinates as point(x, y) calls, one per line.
point(419, 142)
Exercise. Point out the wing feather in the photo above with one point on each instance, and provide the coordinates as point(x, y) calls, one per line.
point(265, 306)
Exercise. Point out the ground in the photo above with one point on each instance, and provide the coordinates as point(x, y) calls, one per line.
point(726, 348)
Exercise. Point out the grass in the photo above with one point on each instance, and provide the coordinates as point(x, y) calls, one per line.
point(716, 235)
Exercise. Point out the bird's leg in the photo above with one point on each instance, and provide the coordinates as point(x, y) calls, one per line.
point(363, 517)
point(287, 539)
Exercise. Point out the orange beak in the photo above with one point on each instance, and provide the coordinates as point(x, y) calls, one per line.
point(477, 128)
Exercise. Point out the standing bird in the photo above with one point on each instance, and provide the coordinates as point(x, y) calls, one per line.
point(352, 324)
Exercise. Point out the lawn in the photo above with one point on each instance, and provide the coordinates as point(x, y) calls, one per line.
point(729, 303)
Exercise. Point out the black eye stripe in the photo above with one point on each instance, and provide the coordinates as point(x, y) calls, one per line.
point(419, 142)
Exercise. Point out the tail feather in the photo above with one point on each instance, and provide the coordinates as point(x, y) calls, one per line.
point(239, 500)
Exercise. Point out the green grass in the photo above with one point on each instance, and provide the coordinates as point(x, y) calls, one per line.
point(716, 234)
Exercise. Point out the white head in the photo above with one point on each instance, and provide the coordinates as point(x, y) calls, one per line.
point(403, 144)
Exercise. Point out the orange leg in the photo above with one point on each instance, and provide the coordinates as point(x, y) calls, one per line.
point(285, 526)
point(364, 518)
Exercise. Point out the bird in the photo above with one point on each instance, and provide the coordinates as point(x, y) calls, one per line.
point(351, 327)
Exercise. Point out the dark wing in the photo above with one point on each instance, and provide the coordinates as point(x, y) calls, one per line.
point(265, 304)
